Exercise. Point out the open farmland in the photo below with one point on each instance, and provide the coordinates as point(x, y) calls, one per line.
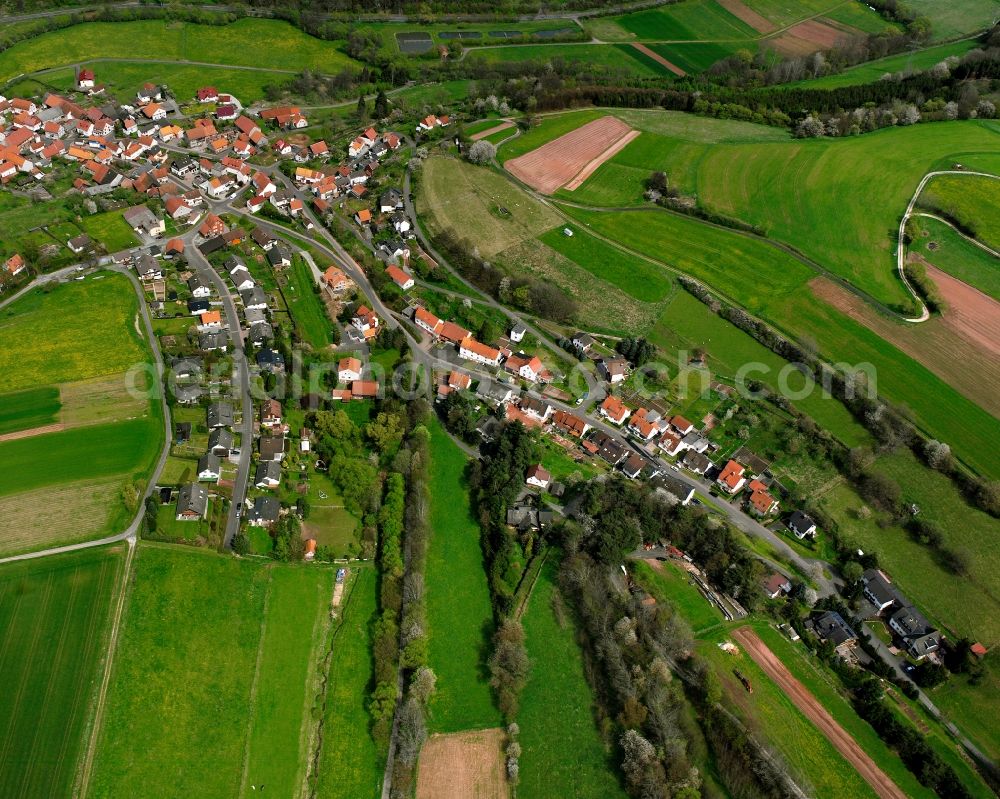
point(350, 765)
point(458, 197)
point(621, 59)
point(871, 71)
point(287, 679)
point(66, 478)
point(80, 330)
point(229, 647)
point(972, 201)
point(793, 189)
point(54, 620)
point(942, 246)
point(562, 751)
point(33, 407)
point(463, 764)
point(459, 617)
point(728, 261)
point(288, 48)
point(562, 161)
point(956, 17)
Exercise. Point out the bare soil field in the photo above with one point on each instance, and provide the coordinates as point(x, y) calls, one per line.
point(817, 714)
point(607, 155)
point(748, 15)
point(553, 165)
point(951, 348)
point(490, 131)
point(658, 59)
point(463, 765)
point(970, 312)
point(807, 37)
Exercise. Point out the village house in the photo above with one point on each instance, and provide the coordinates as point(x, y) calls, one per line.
point(775, 585)
point(220, 442)
point(366, 321)
point(831, 627)
point(209, 468)
point(761, 502)
point(219, 414)
point(270, 413)
point(192, 503)
point(574, 426)
point(349, 370)
point(538, 477)
point(272, 447)
point(472, 350)
point(263, 512)
point(614, 410)
point(731, 479)
point(614, 370)
point(529, 368)
point(459, 381)
point(801, 525)
point(267, 475)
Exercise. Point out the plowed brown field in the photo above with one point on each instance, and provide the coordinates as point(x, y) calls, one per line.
point(463, 765)
point(553, 165)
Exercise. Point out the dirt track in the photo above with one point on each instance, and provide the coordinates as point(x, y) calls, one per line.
point(817, 714)
point(34, 431)
point(659, 59)
point(556, 163)
point(490, 131)
point(463, 765)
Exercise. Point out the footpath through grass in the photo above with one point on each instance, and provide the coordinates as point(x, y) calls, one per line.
point(350, 764)
point(562, 752)
point(459, 614)
point(54, 621)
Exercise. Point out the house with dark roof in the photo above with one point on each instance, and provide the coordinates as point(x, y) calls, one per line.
point(801, 525)
point(220, 442)
point(192, 503)
point(209, 467)
point(263, 512)
point(918, 636)
point(268, 474)
point(219, 414)
point(272, 448)
point(830, 626)
point(878, 590)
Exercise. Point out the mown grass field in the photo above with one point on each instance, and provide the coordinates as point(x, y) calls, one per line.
point(695, 57)
point(227, 645)
point(636, 277)
point(465, 199)
point(288, 48)
point(619, 58)
point(974, 707)
point(958, 257)
point(971, 200)
point(957, 17)
point(308, 311)
point(562, 752)
point(72, 332)
point(350, 764)
point(287, 679)
point(692, 20)
point(33, 407)
point(80, 453)
point(54, 620)
point(791, 188)
point(111, 229)
point(871, 71)
point(459, 616)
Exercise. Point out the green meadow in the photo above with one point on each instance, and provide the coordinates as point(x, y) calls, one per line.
point(94, 451)
point(54, 621)
point(620, 58)
point(563, 753)
point(77, 330)
point(33, 407)
point(287, 678)
point(350, 765)
point(231, 647)
point(111, 229)
point(971, 200)
point(957, 17)
point(955, 255)
point(287, 47)
point(871, 71)
point(307, 309)
point(459, 616)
